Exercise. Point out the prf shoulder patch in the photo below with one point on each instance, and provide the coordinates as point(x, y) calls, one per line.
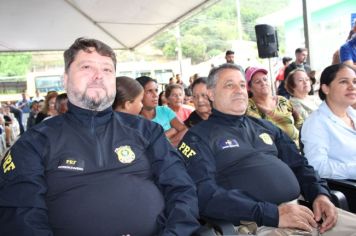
point(266, 138)
point(186, 150)
point(8, 165)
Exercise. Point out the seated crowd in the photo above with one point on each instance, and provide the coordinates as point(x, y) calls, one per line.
point(15, 116)
point(232, 151)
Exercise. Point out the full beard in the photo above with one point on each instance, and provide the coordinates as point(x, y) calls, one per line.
point(97, 104)
point(94, 103)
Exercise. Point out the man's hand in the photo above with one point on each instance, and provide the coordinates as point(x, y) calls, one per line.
point(325, 210)
point(296, 216)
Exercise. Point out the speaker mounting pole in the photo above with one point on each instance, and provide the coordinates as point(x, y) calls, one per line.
point(271, 79)
point(267, 45)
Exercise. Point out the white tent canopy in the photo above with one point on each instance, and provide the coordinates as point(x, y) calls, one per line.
point(39, 25)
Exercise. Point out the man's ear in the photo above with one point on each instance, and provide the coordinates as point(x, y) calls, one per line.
point(210, 94)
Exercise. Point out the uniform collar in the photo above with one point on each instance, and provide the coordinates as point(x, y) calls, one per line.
point(87, 117)
point(228, 118)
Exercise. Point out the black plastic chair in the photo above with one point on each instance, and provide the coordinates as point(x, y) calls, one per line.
point(348, 188)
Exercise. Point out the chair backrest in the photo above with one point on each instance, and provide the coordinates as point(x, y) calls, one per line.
point(339, 200)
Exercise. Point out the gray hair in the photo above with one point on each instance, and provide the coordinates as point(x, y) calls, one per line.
point(214, 73)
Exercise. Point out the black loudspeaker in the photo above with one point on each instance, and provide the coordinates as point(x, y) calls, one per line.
point(267, 41)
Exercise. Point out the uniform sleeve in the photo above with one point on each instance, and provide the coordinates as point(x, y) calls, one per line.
point(308, 179)
point(181, 203)
point(22, 188)
point(316, 140)
point(214, 201)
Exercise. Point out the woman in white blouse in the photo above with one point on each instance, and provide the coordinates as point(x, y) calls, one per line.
point(329, 133)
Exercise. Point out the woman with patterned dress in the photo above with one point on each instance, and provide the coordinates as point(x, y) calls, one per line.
point(276, 109)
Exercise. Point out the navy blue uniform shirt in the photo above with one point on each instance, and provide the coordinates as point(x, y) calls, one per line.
point(95, 173)
point(245, 167)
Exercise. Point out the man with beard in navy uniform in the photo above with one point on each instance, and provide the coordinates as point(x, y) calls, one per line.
point(92, 171)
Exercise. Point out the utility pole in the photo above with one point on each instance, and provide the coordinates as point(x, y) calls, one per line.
point(179, 49)
point(306, 20)
point(239, 23)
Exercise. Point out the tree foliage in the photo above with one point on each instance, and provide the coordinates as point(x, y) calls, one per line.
point(211, 32)
point(14, 64)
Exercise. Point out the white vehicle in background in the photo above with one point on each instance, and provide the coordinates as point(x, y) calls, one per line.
point(161, 71)
point(12, 87)
point(44, 82)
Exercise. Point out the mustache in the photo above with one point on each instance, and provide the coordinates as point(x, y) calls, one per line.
point(96, 84)
point(239, 96)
